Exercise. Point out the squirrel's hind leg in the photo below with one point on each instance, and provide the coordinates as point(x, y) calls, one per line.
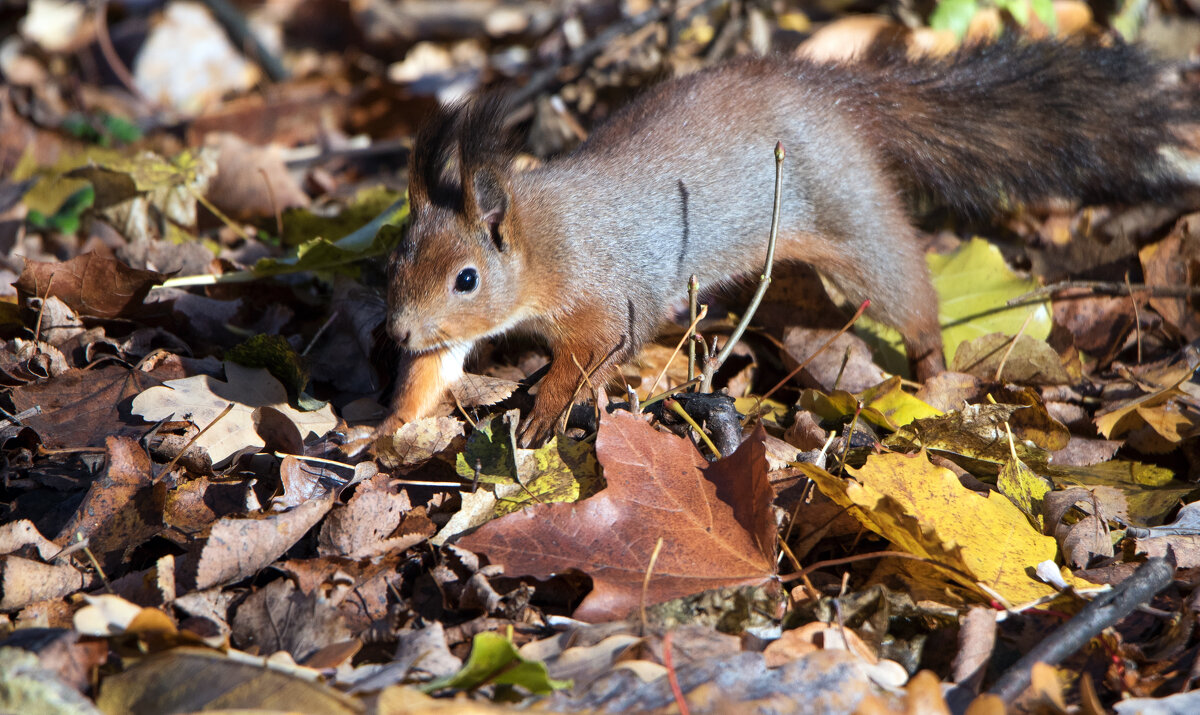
point(883, 262)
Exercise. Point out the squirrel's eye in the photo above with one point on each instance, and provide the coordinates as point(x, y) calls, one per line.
point(466, 281)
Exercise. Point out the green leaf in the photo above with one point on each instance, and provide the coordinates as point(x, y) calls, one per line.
point(1019, 10)
point(954, 15)
point(376, 238)
point(1044, 9)
point(973, 285)
point(66, 218)
point(277, 356)
point(494, 660)
point(122, 130)
point(563, 470)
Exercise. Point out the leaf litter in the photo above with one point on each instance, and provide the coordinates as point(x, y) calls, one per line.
point(199, 515)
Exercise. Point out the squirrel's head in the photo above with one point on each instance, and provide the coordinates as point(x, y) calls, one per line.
point(455, 277)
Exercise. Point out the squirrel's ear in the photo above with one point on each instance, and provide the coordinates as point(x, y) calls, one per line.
point(487, 199)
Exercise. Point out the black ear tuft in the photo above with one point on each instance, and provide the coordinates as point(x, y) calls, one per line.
point(486, 148)
point(485, 136)
point(432, 150)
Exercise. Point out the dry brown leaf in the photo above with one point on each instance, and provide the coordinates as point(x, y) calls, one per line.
point(281, 617)
point(1098, 323)
point(1029, 362)
point(23, 581)
point(1084, 539)
point(1172, 263)
point(658, 487)
point(252, 182)
point(303, 481)
point(194, 504)
point(418, 441)
point(361, 528)
point(121, 509)
point(194, 679)
point(82, 408)
point(239, 547)
point(90, 284)
point(23, 537)
point(848, 361)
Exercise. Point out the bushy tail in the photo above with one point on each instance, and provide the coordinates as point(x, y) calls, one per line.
point(1021, 120)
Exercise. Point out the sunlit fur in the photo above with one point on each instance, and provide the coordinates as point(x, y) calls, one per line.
point(592, 249)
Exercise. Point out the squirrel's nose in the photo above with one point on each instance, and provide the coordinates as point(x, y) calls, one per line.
point(400, 334)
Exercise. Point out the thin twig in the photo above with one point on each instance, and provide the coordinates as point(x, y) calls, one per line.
point(171, 464)
point(1012, 344)
point(964, 578)
point(199, 196)
point(1104, 611)
point(37, 328)
point(764, 281)
point(693, 295)
point(667, 393)
point(646, 579)
point(1106, 288)
point(320, 331)
point(680, 701)
point(244, 38)
point(110, 53)
point(687, 337)
point(858, 408)
point(1137, 319)
point(677, 408)
point(274, 204)
point(849, 323)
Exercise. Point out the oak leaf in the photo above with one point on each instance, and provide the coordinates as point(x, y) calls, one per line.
point(202, 399)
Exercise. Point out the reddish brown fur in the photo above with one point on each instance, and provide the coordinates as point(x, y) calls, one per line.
point(591, 250)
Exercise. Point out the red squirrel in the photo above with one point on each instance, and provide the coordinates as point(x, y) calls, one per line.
point(592, 250)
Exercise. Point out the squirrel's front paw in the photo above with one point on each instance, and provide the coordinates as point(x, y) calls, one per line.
point(535, 429)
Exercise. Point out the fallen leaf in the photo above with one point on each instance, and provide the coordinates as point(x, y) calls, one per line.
point(418, 441)
point(252, 182)
point(1024, 488)
point(494, 660)
point(121, 509)
point(361, 529)
point(884, 405)
point(1028, 362)
point(30, 688)
point(239, 547)
point(658, 487)
point(22, 537)
point(82, 408)
point(1173, 262)
point(194, 679)
point(24, 581)
point(281, 617)
point(1083, 539)
point(562, 470)
point(202, 398)
point(90, 284)
point(924, 510)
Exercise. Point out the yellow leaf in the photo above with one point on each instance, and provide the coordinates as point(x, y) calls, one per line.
point(884, 405)
point(1024, 488)
point(923, 509)
point(897, 405)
